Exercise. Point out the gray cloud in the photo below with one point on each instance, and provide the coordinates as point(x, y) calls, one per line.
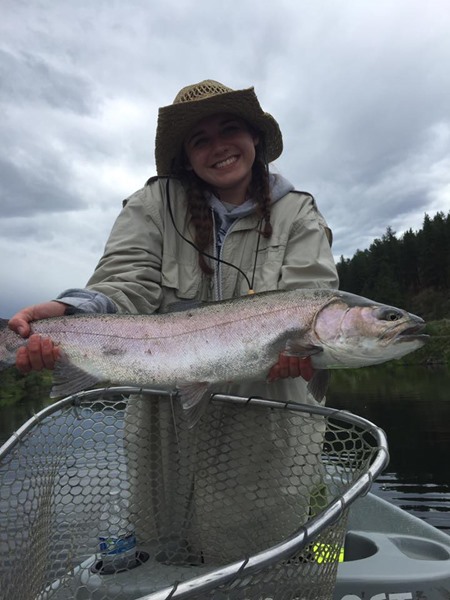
point(37, 81)
point(360, 90)
point(35, 188)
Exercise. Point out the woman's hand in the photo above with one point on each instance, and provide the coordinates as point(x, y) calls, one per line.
point(291, 366)
point(40, 352)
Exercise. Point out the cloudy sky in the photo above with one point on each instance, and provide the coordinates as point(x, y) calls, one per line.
point(361, 90)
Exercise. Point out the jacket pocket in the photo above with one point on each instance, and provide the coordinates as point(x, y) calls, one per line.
point(181, 276)
point(266, 273)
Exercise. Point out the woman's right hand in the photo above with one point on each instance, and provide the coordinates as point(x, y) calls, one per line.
point(40, 352)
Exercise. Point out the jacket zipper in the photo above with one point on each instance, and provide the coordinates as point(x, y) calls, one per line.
point(218, 253)
point(216, 263)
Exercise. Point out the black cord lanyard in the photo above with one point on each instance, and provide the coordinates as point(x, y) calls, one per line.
point(210, 256)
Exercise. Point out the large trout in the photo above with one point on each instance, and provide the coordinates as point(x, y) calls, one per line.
point(228, 341)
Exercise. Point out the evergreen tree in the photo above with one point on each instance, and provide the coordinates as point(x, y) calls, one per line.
point(412, 272)
point(409, 263)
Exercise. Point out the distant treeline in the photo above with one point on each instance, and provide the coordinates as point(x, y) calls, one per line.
point(412, 272)
point(14, 386)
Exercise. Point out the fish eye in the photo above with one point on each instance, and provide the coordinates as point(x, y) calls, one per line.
point(392, 315)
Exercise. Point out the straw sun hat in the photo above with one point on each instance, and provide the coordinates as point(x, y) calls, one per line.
point(200, 100)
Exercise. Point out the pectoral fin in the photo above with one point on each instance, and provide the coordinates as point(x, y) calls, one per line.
point(318, 385)
point(194, 398)
point(69, 379)
point(319, 382)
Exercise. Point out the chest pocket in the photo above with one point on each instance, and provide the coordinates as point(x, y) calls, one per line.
point(266, 272)
point(181, 274)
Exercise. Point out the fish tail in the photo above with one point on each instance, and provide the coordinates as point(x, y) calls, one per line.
point(10, 342)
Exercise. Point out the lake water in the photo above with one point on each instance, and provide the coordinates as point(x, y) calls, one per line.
point(411, 404)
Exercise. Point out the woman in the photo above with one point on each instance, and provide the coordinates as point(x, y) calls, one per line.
point(214, 224)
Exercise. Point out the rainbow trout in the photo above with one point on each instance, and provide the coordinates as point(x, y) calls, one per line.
point(230, 341)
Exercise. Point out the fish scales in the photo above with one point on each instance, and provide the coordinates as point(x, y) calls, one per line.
point(231, 340)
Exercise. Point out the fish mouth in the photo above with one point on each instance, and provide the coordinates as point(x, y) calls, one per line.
point(412, 333)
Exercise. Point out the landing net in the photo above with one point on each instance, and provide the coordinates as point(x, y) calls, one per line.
point(250, 503)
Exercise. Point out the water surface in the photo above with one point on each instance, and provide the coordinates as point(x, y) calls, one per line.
point(411, 404)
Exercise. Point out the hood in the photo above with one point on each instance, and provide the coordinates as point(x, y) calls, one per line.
point(227, 213)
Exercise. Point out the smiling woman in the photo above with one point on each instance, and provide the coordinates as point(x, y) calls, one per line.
point(221, 151)
point(214, 225)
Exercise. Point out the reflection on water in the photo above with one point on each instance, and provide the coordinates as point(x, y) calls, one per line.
point(413, 406)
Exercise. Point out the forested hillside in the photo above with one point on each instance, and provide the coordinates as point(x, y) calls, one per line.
point(411, 271)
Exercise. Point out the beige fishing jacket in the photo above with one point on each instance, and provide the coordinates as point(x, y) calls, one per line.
point(147, 264)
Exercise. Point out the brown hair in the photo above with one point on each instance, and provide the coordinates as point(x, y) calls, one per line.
point(200, 213)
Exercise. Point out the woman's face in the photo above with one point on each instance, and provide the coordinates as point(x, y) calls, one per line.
point(221, 151)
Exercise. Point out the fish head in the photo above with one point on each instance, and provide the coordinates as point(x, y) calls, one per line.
point(355, 331)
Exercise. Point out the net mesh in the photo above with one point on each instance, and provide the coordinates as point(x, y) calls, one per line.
point(244, 479)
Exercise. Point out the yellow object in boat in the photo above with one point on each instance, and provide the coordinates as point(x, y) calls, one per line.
point(328, 553)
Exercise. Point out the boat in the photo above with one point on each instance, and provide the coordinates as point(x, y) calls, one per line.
point(188, 500)
point(392, 555)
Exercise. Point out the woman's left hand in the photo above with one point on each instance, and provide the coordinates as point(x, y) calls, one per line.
point(291, 366)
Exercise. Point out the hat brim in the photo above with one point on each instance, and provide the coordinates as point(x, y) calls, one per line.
point(176, 121)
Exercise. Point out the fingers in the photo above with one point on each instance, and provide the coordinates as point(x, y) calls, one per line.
point(39, 353)
point(22, 360)
point(288, 366)
point(306, 368)
point(49, 353)
point(291, 366)
point(281, 369)
point(20, 322)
